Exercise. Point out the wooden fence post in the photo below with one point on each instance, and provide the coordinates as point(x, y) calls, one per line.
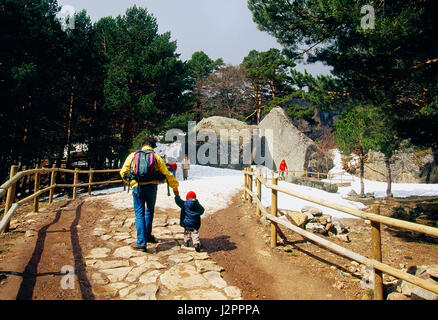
point(75, 181)
point(52, 182)
point(377, 253)
point(259, 192)
point(10, 196)
point(250, 180)
point(36, 188)
point(274, 213)
point(90, 180)
point(245, 183)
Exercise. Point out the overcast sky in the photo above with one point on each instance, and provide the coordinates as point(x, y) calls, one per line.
point(220, 28)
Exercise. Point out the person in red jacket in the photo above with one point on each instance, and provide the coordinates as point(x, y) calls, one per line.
point(173, 168)
point(283, 167)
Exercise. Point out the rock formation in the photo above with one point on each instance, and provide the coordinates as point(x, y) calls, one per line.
point(407, 166)
point(290, 144)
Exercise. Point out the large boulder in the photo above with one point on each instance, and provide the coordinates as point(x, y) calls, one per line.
point(228, 132)
point(290, 144)
point(222, 123)
point(407, 166)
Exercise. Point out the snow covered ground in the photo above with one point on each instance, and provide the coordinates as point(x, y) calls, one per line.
point(215, 187)
point(400, 190)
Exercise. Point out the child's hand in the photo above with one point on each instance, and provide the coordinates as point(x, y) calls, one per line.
point(176, 192)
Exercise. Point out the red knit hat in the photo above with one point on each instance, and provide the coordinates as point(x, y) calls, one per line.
point(191, 195)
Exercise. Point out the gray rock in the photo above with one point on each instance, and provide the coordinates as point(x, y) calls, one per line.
point(433, 271)
point(343, 237)
point(297, 218)
point(315, 212)
point(315, 228)
point(287, 137)
point(396, 296)
point(407, 166)
point(339, 227)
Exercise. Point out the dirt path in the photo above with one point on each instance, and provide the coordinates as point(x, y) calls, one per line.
point(238, 241)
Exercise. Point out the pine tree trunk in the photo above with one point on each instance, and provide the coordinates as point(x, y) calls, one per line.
point(388, 178)
point(70, 121)
point(362, 173)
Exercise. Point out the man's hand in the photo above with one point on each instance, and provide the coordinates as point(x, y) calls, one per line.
point(128, 177)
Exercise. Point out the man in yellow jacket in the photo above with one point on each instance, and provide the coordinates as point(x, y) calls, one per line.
point(145, 196)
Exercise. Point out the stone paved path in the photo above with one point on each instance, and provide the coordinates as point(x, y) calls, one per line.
point(168, 271)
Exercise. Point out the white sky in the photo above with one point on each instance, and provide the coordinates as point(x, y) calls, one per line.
point(220, 28)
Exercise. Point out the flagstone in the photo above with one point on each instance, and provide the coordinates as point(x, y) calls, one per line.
point(118, 274)
point(182, 277)
point(215, 279)
point(97, 253)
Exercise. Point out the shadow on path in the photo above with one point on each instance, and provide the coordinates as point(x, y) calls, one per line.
point(30, 273)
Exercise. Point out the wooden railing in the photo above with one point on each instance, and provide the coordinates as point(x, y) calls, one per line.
point(9, 188)
point(339, 177)
point(251, 176)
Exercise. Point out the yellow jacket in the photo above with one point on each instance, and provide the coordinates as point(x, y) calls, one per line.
point(173, 183)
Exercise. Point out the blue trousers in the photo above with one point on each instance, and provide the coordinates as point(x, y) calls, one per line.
point(144, 206)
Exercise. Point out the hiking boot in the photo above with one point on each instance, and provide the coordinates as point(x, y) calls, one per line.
point(152, 239)
point(198, 247)
point(138, 248)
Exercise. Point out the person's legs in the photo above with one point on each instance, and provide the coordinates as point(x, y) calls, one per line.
point(139, 210)
point(195, 237)
point(196, 241)
point(187, 237)
point(150, 196)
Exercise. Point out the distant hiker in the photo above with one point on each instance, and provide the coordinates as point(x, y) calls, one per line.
point(190, 219)
point(168, 166)
point(173, 168)
point(185, 166)
point(283, 167)
point(144, 170)
point(309, 172)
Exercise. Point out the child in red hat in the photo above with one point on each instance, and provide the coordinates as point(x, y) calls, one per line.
point(190, 219)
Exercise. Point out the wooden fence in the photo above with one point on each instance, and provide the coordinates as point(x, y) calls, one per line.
point(336, 178)
point(9, 188)
point(251, 177)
